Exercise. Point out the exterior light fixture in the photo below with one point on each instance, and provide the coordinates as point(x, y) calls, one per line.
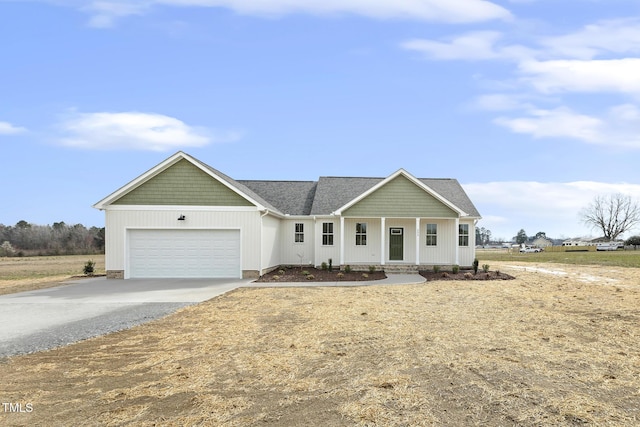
point(182, 218)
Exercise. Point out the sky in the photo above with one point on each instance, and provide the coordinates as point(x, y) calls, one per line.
point(532, 105)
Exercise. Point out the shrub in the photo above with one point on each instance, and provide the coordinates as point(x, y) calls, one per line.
point(276, 277)
point(310, 277)
point(485, 268)
point(340, 275)
point(468, 275)
point(89, 267)
point(372, 269)
point(324, 266)
point(445, 274)
point(281, 272)
point(455, 269)
point(347, 269)
point(436, 269)
point(305, 273)
point(365, 276)
point(475, 266)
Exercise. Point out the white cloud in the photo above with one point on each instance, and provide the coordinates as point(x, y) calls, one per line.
point(614, 75)
point(500, 102)
point(7, 128)
point(105, 12)
point(134, 131)
point(560, 122)
point(552, 207)
point(621, 36)
point(470, 46)
point(619, 126)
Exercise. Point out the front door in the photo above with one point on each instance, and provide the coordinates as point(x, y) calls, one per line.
point(396, 244)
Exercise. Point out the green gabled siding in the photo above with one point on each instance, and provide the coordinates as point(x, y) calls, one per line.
point(400, 198)
point(183, 184)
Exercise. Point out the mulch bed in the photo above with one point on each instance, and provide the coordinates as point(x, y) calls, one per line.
point(465, 275)
point(310, 274)
point(297, 274)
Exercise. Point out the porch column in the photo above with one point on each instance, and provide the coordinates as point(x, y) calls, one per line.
point(341, 240)
point(417, 241)
point(457, 234)
point(382, 240)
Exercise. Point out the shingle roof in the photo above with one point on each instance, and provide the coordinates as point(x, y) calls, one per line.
point(289, 197)
point(329, 194)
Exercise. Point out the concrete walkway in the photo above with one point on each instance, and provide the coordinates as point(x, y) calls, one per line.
point(392, 279)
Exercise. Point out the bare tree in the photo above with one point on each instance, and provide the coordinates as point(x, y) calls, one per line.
point(613, 214)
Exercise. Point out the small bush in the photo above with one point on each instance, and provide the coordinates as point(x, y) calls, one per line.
point(281, 272)
point(347, 269)
point(436, 269)
point(445, 274)
point(468, 275)
point(340, 275)
point(310, 277)
point(365, 276)
point(89, 267)
point(485, 268)
point(475, 266)
point(324, 266)
point(455, 269)
point(372, 269)
point(276, 277)
point(305, 273)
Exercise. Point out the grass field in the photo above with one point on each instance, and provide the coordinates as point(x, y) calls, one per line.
point(605, 258)
point(29, 273)
point(556, 346)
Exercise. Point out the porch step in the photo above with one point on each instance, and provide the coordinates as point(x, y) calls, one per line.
point(401, 269)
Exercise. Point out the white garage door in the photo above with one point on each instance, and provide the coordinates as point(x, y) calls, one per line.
point(184, 253)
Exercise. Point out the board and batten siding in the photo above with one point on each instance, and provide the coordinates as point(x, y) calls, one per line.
point(270, 243)
point(297, 253)
point(444, 253)
point(468, 253)
point(119, 219)
point(368, 254)
point(400, 198)
point(324, 252)
point(183, 184)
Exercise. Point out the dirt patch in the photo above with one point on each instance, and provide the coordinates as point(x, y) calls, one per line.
point(542, 349)
point(297, 274)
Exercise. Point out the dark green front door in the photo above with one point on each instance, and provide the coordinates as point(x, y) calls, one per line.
point(396, 244)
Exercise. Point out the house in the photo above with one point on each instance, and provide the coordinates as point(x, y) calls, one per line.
point(542, 242)
point(182, 218)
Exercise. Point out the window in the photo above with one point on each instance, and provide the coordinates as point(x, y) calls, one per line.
point(299, 234)
point(361, 234)
point(327, 234)
point(463, 234)
point(432, 234)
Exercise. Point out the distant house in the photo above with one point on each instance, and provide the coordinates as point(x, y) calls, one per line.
point(182, 218)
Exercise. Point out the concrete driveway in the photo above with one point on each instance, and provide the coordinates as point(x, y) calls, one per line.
point(48, 318)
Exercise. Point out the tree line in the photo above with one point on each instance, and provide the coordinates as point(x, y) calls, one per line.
point(25, 239)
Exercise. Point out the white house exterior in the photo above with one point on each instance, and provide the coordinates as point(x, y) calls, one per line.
point(183, 218)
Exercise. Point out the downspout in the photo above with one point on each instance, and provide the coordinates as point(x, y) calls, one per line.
point(266, 212)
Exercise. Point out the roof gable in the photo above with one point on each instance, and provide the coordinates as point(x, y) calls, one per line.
point(399, 197)
point(182, 184)
point(180, 180)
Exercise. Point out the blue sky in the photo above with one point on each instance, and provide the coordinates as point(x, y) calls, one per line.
point(533, 105)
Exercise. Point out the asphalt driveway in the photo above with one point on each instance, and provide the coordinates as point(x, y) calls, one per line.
point(48, 318)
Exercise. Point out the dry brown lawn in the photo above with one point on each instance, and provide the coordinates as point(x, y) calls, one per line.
point(559, 345)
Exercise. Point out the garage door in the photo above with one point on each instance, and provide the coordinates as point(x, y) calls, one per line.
point(184, 253)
